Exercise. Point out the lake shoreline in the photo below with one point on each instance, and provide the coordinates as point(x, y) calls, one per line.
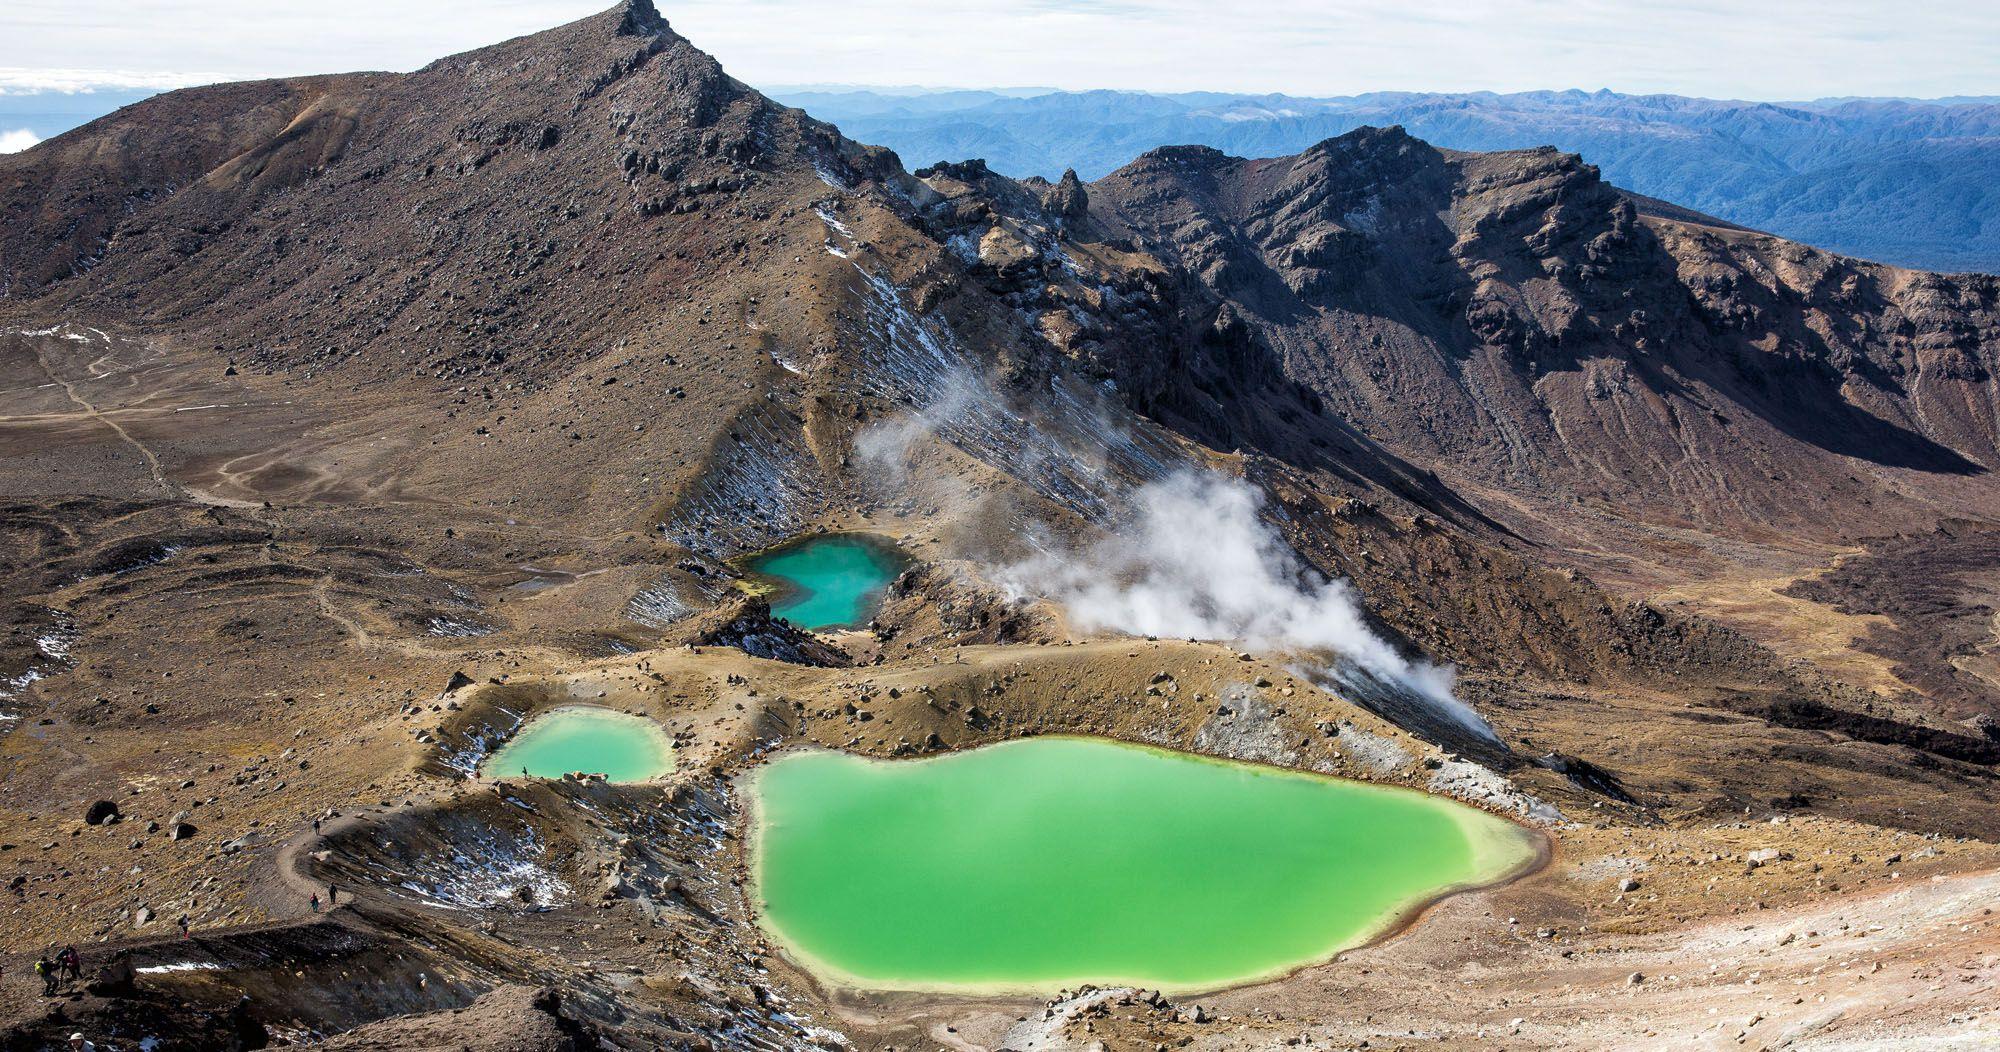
point(788, 595)
point(1538, 853)
point(549, 722)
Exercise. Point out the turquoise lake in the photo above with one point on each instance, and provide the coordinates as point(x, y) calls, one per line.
point(831, 581)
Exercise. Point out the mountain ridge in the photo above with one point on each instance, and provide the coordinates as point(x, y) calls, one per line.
point(1788, 167)
point(1533, 263)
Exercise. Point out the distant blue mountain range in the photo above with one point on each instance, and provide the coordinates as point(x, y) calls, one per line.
point(1903, 181)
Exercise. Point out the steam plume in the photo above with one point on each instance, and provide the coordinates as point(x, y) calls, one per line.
point(1195, 560)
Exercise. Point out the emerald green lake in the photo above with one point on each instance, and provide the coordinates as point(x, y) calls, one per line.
point(1051, 862)
point(832, 581)
point(617, 745)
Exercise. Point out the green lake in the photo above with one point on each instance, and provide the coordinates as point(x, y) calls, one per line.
point(1050, 862)
point(617, 745)
point(830, 581)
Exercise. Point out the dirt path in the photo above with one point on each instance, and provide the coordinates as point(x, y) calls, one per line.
point(89, 409)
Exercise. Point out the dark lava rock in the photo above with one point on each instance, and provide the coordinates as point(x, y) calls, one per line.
point(1067, 199)
point(1586, 775)
point(746, 624)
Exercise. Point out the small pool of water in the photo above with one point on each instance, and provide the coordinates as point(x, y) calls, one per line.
point(830, 581)
point(1050, 862)
point(617, 745)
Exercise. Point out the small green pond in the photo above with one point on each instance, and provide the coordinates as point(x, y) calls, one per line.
point(830, 581)
point(617, 745)
point(1051, 862)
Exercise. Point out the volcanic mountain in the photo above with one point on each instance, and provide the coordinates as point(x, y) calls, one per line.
point(1899, 180)
point(324, 392)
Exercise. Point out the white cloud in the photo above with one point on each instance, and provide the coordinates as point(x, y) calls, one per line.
point(24, 80)
point(17, 140)
point(1776, 49)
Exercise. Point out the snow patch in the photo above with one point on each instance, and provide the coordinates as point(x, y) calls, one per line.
point(456, 628)
point(179, 966)
point(658, 605)
point(488, 873)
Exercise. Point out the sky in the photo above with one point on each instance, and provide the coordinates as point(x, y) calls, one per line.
point(1752, 49)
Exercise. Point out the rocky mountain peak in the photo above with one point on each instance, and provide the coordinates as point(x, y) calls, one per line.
point(640, 18)
point(1369, 139)
point(1067, 199)
point(1182, 156)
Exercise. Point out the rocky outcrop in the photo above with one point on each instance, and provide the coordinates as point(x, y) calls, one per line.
point(509, 1019)
point(745, 622)
point(1067, 200)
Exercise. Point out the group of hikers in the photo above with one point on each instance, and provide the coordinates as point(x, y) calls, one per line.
point(67, 964)
point(54, 969)
point(67, 967)
point(332, 898)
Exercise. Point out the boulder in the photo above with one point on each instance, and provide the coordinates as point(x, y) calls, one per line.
point(116, 978)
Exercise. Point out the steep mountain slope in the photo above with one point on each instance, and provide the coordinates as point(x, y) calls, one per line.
point(287, 205)
point(1505, 340)
point(1894, 180)
point(1514, 320)
point(63, 201)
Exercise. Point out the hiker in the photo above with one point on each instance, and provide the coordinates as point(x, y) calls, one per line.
point(315, 902)
point(78, 1044)
point(183, 921)
point(315, 826)
point(47, 970)
point(71, 962)
point(332, 894)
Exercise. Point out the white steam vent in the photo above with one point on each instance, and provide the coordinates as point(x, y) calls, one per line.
point(1194, 559)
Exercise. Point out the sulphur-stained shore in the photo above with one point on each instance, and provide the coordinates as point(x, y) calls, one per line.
point(583, 740)
point(888, 868)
